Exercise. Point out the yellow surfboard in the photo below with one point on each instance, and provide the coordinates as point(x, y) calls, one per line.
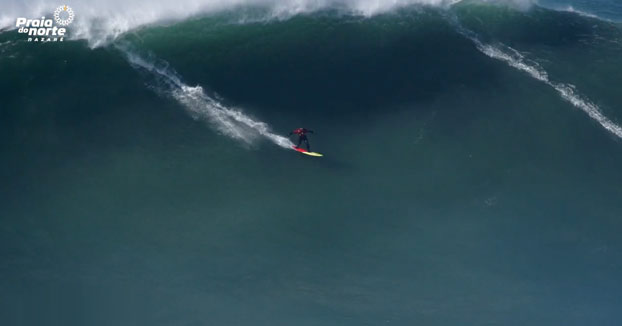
point(307, 152)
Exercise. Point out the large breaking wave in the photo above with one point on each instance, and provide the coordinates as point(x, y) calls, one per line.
point(101, 22)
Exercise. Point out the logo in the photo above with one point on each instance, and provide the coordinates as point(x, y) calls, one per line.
point(43, 29)
point(68, 17)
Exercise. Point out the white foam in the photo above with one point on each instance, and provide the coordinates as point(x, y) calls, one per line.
point(567, 91)
point(572, 9)
point(229, 121)
point(579, 12)
point(101, 21)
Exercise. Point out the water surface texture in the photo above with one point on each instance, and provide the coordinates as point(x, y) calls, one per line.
point(472, 170)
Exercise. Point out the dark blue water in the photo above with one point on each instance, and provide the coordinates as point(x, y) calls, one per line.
point(456, 188)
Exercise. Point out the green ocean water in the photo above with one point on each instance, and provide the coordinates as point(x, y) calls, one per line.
point(455, 189)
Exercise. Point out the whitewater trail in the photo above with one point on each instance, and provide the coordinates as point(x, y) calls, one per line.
point(228, 121)
point(568, 92)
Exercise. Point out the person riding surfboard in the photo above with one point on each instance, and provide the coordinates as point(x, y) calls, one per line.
point(301, 132)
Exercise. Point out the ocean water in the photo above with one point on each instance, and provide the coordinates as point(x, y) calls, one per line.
point(602, 9)
point(471, 173)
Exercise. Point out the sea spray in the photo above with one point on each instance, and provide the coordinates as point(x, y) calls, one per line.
point(567, 92)
point(102, 22)
point(228, 121)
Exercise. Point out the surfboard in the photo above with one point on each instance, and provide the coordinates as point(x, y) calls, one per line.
point(307, 152)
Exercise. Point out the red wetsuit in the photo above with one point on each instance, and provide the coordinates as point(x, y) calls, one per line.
point(301, 132)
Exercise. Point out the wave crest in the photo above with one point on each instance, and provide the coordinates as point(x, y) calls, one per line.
point(100, 22)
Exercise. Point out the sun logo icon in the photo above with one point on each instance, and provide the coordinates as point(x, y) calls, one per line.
point(63, 15)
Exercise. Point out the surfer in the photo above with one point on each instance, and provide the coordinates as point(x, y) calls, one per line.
point(301, 132)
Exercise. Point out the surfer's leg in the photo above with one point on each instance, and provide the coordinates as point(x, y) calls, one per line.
point(299, 142)
point(308, 146)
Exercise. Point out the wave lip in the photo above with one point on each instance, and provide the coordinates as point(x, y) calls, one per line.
point(101, 22)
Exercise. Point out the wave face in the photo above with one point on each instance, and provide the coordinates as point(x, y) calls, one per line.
point(603, 9)
point(539, 51)
point(489, 25)
point(566, 91)
point(471, 173)
point(488, 40)
point(228, 121)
